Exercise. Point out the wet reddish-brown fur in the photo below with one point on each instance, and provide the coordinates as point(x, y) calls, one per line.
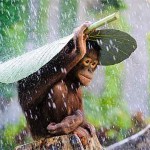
point(51, 98)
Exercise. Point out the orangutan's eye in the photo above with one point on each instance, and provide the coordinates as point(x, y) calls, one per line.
point(94, 64)
point(87, 61)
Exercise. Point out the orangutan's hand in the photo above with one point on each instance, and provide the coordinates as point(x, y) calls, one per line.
point(67, 125)
point(80, 37)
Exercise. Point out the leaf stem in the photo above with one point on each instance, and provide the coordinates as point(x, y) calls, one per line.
point(102, 22)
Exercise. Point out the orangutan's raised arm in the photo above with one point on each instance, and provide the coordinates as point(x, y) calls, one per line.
point(32, 89)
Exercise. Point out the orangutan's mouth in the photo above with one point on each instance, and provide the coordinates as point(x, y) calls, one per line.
point(85, 77)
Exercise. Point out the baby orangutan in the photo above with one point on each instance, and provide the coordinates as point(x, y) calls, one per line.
point(51, 97)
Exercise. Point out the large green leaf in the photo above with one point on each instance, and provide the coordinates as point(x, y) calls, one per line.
point(30, 62)
point(115, 46)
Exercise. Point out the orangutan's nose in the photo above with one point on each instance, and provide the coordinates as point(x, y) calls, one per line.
point(90, 70)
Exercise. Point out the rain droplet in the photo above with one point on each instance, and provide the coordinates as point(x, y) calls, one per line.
point(54, 105)
point(114, 58)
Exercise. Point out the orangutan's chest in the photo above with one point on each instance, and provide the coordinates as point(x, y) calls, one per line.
point(73, 101)
point(62, 105)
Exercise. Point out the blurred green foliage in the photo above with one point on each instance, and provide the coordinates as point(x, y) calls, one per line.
point(148, 40)
point(148, 47)
point(68, 12)
point(12, 27)
point(7, 90)
point(42, 25)
point(109, 110)
point(117, 4)
point(8, 135)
